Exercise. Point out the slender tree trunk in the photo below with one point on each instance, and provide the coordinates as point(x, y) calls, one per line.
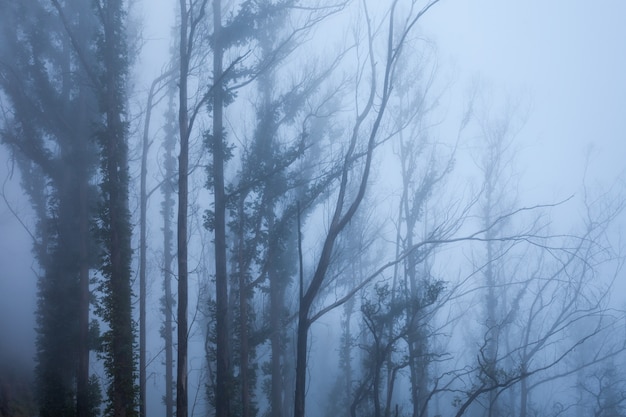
point(301, 352)
point(143, 245)
point(222, 400)
point(523, 395)
point(167, 325)
point(277, 386)
point(347, 351)
point(491, 300)
point(168, 207)
point(82, 380)
point(143, 207)
point(377, 368)
point(277, 299)
point(183, 170)
point(243, 319)
point(82, 383)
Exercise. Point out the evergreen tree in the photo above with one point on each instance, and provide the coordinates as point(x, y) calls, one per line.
point(44, 54)
point(114, 219)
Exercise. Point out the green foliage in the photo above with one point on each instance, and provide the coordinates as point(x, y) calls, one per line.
point(114, 229)
point(95, 396)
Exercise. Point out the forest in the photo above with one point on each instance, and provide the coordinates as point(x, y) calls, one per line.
point(271, 208)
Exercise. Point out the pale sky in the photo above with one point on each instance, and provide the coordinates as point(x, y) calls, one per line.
point(567, 59)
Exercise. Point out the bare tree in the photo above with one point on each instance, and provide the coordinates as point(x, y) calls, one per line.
point(346, 205)
point(191, 17)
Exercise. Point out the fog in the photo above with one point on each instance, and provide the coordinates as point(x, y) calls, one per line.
point(421, 209)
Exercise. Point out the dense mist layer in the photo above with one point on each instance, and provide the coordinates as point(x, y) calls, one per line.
point(312, 208)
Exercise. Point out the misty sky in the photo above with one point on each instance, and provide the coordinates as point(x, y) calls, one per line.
point(565, 61)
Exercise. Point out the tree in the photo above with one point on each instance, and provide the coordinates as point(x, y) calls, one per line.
point(498, 135)
point(607, 389)
point(345, 204)
point(253, 199)
point(157, 84)
point(222, 396)
point(114, 220)
point(49, 126)
point(421, 174)
point(391, 317)
point(168, 188)
point(191, 16)
point(266, 195)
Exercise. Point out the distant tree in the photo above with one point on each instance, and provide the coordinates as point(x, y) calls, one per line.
point(367, 124)
point(390, 319)
point(168, 188)
point(559, 310)
point(260, 201)
point(608, 391)
point(156, 86)
point(264, 199)
point(423, 172)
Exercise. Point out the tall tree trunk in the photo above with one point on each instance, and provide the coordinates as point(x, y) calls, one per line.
point(122, 391)
point(491, 300)
point(116, 216)
point(276, 325)
point(301, 352)
point(222, 400)
point(277, 294)
point(243, 319)
point(82, 380)
point(143, 245)
point(143, 207)
point(183, 171)
point(167, 210)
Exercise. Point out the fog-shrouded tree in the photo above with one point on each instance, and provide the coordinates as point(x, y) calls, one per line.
point(361, 143)
point(499, 187)
point(191, 15)
point(168, 188)
point(546, 297)
point(114, 228)
point(260, 200)
point(160, 82)
point(607, 390)
point(46, 76)
point(67, 111)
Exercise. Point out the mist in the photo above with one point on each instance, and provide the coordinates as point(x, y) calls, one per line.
point(312, 208)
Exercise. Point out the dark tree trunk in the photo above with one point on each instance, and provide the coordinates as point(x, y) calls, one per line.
point(276, 326)
point(243, 317)
point(82, 380)
point(168, 237)
point(222, 400)
point(116, 223)
point(183, 170)
point(301, 352)
point(143, 207)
